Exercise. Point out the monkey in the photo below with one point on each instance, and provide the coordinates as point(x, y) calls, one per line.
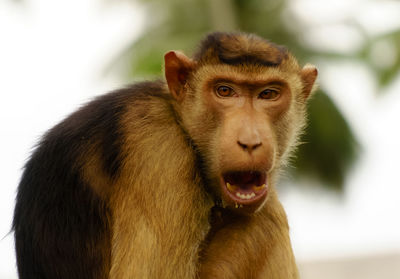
point(173, 178)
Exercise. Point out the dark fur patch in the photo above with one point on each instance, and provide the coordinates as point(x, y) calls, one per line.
point(61, 227)
point(240, 49)
point(102, 118)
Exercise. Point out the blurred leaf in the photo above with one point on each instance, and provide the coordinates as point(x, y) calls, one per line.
point(387, 74)
point(329, 146)
point(384, 61)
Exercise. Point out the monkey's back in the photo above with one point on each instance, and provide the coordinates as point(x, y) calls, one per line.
point(62, 225)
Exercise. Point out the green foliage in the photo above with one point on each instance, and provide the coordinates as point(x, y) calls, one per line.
point(329, 146)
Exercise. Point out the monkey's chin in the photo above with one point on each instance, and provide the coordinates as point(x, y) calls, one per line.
point(244, 192)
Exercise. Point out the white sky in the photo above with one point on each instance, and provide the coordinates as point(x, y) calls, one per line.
point(53, 53)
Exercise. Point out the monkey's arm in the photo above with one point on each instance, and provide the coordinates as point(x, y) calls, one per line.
point(250, 247)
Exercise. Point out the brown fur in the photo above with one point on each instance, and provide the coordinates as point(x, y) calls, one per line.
point(250, 247)
point(160, 219)
point(147, 161)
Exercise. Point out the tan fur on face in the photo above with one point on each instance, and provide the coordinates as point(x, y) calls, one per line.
point(288, 126)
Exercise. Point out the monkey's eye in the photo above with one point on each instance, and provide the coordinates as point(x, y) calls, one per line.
point(269, 94)
point(224, 91)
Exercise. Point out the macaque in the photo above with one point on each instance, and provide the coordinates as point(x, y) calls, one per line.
point(170, 179)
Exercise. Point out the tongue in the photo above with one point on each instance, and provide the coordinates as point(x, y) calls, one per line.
point(245, 188)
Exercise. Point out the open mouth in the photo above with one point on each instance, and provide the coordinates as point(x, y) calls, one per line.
point(245, 187)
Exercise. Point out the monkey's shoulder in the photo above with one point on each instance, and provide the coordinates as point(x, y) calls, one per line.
point(104, 125)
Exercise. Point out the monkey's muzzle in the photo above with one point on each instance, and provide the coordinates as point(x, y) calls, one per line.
point(244, 188)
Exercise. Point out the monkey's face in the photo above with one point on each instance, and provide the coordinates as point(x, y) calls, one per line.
point(243, 120)
point(235, 120)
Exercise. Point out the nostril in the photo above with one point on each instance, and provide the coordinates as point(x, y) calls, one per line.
point(244, 146)
point(257, 145)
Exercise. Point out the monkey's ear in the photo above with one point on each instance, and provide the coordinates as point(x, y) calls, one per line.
point(177, 68)
point(308, 74)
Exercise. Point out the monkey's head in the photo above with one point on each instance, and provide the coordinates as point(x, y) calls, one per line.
point(241, 99)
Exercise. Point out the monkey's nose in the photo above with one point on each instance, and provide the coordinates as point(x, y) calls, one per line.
point(249, 146)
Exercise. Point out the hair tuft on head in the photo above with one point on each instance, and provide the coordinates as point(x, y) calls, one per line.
point(239, 49)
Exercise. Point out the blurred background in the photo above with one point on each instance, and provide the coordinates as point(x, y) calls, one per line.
point(341, 194)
